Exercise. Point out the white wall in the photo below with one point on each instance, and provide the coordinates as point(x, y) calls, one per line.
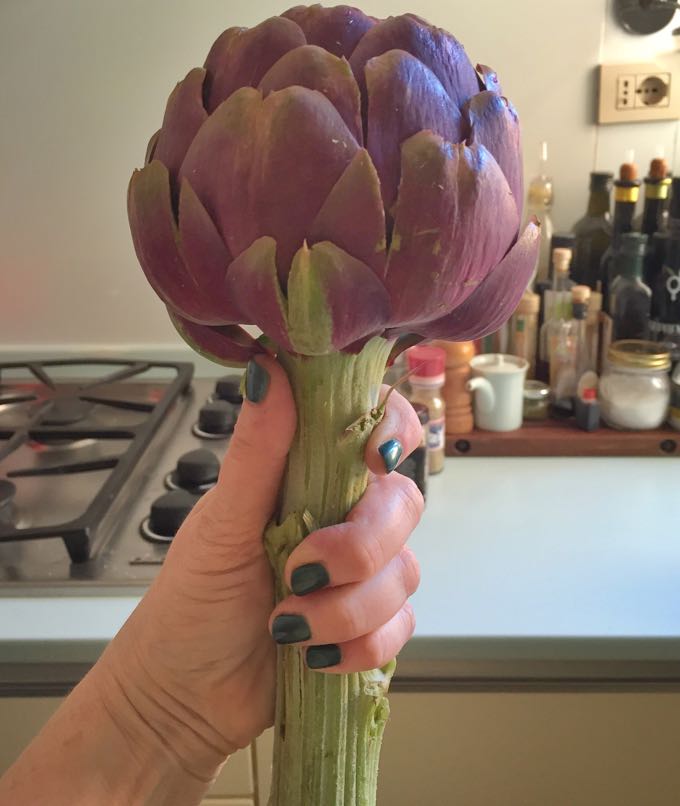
point(83, 84)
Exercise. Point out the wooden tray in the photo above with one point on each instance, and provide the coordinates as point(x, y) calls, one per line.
point(563, 438)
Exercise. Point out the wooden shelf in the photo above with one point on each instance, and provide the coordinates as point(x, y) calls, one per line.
point(557, 438)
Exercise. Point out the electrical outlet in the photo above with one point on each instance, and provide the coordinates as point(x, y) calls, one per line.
point(638, 92)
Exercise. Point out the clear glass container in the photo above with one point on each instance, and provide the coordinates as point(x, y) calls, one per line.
point(635, 388)
point(536, 401)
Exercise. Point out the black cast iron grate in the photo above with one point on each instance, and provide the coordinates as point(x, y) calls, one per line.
point(55, 418)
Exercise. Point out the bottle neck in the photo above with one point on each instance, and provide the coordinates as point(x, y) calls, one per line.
point(623, 218)
point(629, 266)
point(598, 203)
point(651, 215)
point(580, 311)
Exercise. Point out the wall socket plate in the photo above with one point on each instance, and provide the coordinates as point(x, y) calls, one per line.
point(638, 92)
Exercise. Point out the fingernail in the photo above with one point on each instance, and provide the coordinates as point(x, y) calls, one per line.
point(391, 452)
point(290, 628)
point(323, 655)
point(257, 382)
point(308, 578)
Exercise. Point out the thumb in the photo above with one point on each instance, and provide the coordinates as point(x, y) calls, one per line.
point(245, 495)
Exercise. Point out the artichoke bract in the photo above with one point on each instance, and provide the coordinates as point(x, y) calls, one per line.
point(349, 186)
point(329, 177)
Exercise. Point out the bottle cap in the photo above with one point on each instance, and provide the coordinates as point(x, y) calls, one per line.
point(601, 180)
point(580, 294)
point(589, 394)
point(426, 361)
point(561, 259)
point(562, 240)
point(529, 303)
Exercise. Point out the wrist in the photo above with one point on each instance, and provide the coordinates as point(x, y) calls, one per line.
point(160, 728)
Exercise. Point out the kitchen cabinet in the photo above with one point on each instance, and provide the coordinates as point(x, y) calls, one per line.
point(21, 718)
point(531, 749)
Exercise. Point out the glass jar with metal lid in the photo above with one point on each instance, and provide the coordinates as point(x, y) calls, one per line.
point(635, 389)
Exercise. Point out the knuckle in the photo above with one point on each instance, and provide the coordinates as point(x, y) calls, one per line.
point(409, 569)
point(411, 499)
point(375, 651)
point(370, 557)
point(350, 622)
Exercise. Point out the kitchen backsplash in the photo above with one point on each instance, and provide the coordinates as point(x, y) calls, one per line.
point(84, 85)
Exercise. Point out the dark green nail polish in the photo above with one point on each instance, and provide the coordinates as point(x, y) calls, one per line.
point(308, 578)
point(391, 452)
point(257, 382)
point(289, 628)
point(323, 655)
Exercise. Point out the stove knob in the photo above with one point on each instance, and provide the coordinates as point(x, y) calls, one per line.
point(169, 511)
point(197, 468)
point(229, 388)
point(217, 418)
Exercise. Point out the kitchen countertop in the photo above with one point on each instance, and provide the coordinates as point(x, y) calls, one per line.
point(536, 573)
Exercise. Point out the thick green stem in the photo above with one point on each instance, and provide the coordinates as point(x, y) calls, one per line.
point(328, 727)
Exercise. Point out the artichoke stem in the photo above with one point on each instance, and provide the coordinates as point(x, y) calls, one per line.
point(329, 727)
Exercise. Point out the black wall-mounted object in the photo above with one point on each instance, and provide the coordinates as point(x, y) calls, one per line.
point(645, 16)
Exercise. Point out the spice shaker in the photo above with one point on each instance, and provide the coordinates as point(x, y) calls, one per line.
point(459, 419)
point(427, 365)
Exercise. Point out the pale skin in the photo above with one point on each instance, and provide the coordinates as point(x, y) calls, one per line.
point(189, 678)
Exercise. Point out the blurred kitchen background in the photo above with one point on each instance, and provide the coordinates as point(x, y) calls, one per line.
point(83, 86)
point(545, 670)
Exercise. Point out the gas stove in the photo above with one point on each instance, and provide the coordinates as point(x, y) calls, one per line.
point(100, 462)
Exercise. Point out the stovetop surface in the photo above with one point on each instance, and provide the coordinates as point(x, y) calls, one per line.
point(68, 457)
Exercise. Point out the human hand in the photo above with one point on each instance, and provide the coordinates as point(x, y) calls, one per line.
point(196, 660)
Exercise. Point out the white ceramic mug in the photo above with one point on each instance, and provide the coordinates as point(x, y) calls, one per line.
point(498, 383)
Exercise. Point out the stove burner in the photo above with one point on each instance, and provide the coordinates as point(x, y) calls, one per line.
point(196, 472)
point(168, 512)
point(66, 411)
point(229, 388)
point(215, 420)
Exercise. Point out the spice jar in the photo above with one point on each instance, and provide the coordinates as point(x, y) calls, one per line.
point(674, 418)
point(536, 401)
point(427, 380)
point(524, 330)
point(635, 388)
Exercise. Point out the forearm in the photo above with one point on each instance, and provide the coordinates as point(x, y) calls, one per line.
point(97, 750)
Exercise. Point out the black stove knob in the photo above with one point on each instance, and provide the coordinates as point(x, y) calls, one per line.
point(217, 417)
point(229, 388)
point(196, 468)
point(169, 511)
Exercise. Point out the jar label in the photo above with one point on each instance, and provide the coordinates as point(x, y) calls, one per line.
point(436, 437)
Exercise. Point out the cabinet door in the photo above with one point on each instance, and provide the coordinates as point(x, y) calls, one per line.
point(531, 749)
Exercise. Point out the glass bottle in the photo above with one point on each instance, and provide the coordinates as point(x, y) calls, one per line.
point(631, 299)
point(524, 330)
point(556, 307)
point(539, 204)
point(593, 231)
point(427, 363)
point(626, 193)
point(559, 240)
point(570, 356)
point(656, 186)
point(665, 324)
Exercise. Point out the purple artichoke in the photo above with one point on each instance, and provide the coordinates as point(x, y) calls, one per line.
point(330, 177)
